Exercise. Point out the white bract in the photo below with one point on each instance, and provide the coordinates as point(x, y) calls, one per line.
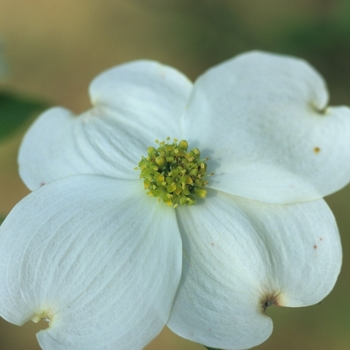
point(108, 266)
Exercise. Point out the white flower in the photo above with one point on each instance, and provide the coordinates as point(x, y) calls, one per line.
point(102, 261)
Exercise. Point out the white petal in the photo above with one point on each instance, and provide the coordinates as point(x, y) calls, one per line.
point(264, 123)
point(239, 255)
point(134, 104)
point(96, 257)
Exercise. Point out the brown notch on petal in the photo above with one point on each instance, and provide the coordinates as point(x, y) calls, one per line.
point(268, 300)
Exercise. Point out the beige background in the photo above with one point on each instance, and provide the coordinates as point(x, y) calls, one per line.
point(54, 49)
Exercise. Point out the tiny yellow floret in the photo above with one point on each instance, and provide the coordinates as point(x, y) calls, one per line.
point(172, 174)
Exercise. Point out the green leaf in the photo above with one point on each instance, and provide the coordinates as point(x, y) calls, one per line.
point(211, 348)
point(15, 110)
point(2, 218)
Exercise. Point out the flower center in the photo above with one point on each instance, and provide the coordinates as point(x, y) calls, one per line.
point(173, 174)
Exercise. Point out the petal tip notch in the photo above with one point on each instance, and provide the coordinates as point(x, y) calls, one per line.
point(47, 315)
point(270, 299)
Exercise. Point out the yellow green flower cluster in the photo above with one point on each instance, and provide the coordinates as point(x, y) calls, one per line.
point(173, 174)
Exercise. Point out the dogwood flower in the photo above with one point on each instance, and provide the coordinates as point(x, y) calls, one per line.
point(192, 205)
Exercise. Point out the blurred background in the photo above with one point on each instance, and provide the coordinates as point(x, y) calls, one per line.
point(54, 48)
